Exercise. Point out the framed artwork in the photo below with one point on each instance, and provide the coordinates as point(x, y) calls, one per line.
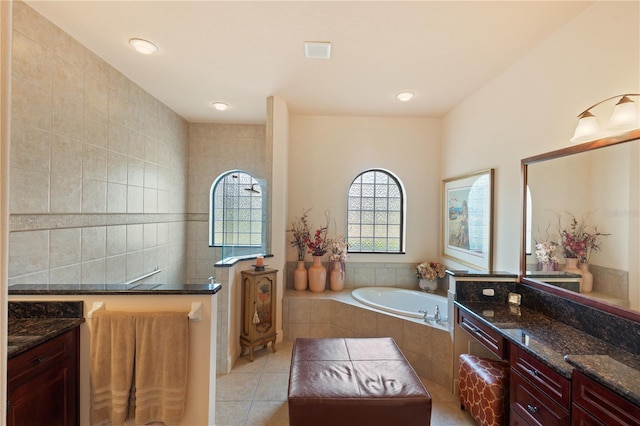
point(467, 219)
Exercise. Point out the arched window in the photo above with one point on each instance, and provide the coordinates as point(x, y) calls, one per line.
point(236, 217)
point(375, 213)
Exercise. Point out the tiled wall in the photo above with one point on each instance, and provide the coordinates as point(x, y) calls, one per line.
point(215, 149)
point(98, 171)
point(428, 349)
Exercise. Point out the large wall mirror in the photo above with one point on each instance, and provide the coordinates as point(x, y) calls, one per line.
point(598, 182)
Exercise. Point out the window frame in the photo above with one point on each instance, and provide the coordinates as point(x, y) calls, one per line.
point(393, 180)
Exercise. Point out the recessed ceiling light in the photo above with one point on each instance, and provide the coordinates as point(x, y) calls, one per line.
point(220, 106)
point(143, 46)
point(317, 49)
point(404, 96)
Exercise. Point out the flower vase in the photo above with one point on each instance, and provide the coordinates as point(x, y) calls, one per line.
point(428, 286)
point(317, 275)
point(571, 266)
point(547, 266)
point(586, 285)
point(300, 276)
point(336, 278)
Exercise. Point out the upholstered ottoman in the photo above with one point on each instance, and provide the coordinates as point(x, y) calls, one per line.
point(354, 381)
point(484, 389)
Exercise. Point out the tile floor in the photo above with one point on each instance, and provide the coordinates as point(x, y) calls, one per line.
point(255, 393)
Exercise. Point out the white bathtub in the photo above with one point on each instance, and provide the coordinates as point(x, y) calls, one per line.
point(402, 302)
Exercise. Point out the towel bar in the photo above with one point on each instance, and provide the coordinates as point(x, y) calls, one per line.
point(194, 315)
point(142, 277)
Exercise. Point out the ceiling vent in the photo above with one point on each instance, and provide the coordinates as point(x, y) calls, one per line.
point(317, 49)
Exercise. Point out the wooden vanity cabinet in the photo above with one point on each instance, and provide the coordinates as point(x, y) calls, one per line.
point(538, 394)
point(43, 383)
point(489, 337)
point(594, 404)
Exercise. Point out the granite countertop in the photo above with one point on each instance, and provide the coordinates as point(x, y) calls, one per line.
point(474, 273)
point(91, 289)
point(33, 323)
point(562, 347)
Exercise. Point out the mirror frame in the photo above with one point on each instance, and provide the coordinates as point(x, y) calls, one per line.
point(570, 295)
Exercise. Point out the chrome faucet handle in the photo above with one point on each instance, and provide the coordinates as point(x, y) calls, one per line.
point(436, 316)
point(424, 316)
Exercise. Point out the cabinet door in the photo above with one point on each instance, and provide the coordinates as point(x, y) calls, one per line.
point(579, 417)
point(603, 404)
point(44, 400)
point(42, 384)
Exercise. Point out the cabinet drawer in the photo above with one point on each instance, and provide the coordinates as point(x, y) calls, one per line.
point(549, 381)
point(603, 404)
point(579, 417)
point(483, 333)
point(38, 359)
point(533, 405)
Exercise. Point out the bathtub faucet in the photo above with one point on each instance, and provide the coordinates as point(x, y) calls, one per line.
point(436, 316)
point(424, 315)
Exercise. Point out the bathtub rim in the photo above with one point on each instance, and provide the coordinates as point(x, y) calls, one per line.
point(403, 314)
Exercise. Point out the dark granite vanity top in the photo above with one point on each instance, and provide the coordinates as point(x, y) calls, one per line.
point(562, 347)
point(91, 289)
point(33, 323)
point(474, 273)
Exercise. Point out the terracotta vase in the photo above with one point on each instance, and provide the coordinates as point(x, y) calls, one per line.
point(300, 276)
point(587, 278)
point(317, 275)
point(336, 277)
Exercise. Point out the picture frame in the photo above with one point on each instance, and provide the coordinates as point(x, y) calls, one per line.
point(467, 219)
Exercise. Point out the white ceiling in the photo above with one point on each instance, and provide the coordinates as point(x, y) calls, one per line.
point(241, 52)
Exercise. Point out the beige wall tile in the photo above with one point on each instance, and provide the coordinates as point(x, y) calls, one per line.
point(30, 104)
point(32, 24)
point(135, 237)
point(116, 240)
point(150, 175)
point(299, 311)
point(65, 275)
point(135, 265)
point(96, 95)
point(67, 118)
point(116, 268)
point(95, 67)
point(116, 198)
point(31, 61)
point(94, 196)
point(68, 48)
point(118, 138)
point(93, 272)
point(150, 200)
point(67, 81)
point(390, 327)
point(28, 252)
point(135, 172)
point(320, 311)
point(66, 156)
point(65, 247)
point(29, 191)
point(66, 194)
point(30, 147)
point(94, 162)
point(118, 108)
point(343, 315)
point(150, 232)
point(135, 199)
point(366, 322)
point(94, 243)
point(117, 168)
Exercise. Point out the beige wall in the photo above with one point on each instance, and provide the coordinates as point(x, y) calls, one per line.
point(98, 167)
point(531, 107)
point(326, 153)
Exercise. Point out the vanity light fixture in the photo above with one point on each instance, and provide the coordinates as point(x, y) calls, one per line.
point(143, 46)
point(220, 106)
point(625, 117)
point(404, 96)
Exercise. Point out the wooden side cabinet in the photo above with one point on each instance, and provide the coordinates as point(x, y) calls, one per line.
point(259, 296)
point(43, 383)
